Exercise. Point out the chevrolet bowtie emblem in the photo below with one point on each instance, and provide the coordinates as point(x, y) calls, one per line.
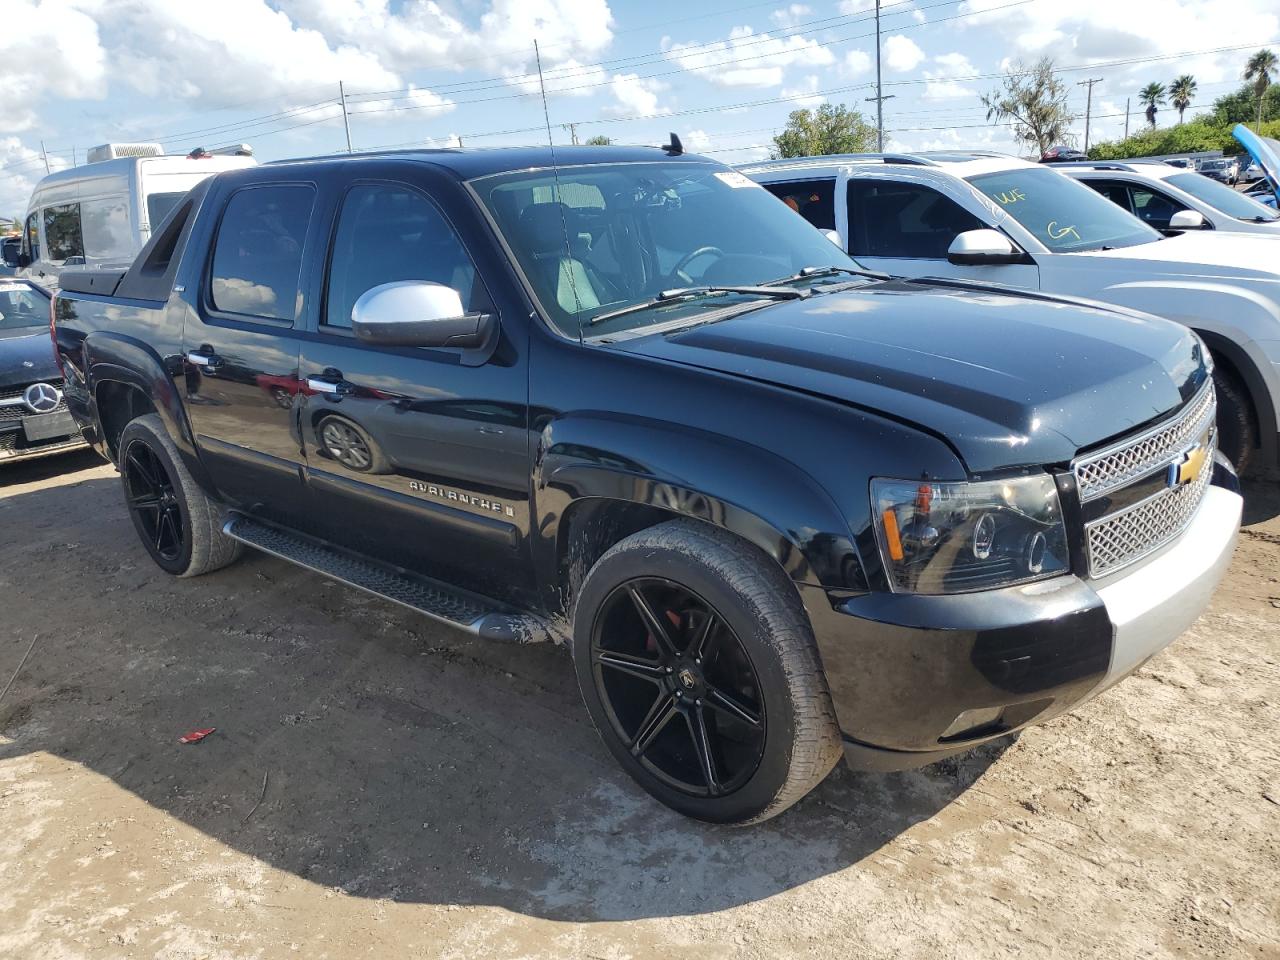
point(1187, 468)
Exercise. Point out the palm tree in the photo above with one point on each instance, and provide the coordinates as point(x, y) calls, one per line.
point(1152, 95)
point(1181, 93)
point(1259, 69)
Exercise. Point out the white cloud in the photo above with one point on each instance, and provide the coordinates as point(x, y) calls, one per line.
point(698, 141)
point(20, 169)
point(634, 95)
point(856, 63)
point(422, 102)
point(942, 83)
point(47, 49)
point(901, 53)
point(805, 94)
point(747, 59)
point(790, 15)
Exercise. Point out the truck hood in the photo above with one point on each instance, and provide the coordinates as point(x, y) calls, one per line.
point(26, 355)
point(1207, 255)
point(1265, 152)
point(1006, 380)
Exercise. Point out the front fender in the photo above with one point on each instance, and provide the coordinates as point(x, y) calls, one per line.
point(688, 472)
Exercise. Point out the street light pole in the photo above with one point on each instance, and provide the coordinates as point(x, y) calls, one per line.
point(1088, 108)
point(879, 98)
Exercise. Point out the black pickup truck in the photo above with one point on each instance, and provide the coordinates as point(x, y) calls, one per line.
point(780, 507)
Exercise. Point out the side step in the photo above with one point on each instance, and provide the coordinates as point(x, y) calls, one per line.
point(439, 601)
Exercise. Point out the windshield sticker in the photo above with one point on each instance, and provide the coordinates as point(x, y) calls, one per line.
point(1010, 196)
point(734, 179)
point(1057, 233)
point(12, 288)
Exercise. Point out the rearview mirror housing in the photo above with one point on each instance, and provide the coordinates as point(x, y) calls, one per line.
point(418, 313)
point(1188, 220)
point(983, 247)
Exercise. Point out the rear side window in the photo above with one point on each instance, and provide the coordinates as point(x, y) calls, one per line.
point(62, 231)
point(159, 205)
point(108, 235)
point(257, 258)
point(388, 233)
point(815, 200)
point(907, 220)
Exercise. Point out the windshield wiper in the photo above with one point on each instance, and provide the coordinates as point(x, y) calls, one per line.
point(695, 293)
point(809, 273)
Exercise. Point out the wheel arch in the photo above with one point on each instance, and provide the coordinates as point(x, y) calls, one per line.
point(1237, 360)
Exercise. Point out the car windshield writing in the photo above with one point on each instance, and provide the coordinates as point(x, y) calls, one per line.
point(1063, 214)
point(1222, 197)
point(608, 236)
point(21, 306)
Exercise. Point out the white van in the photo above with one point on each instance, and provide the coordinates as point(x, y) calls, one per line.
point(101, 213)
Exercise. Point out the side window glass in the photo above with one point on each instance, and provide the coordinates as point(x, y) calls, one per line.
point(907, 220)
point(62, 232)
point(107, 233)
point(1117, 193)
point(1153, 208)
point(815, 200)
point(31, 238)
point(387, 233)
point(257, 258)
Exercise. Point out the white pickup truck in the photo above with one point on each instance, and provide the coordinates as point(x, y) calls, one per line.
point(998, 219)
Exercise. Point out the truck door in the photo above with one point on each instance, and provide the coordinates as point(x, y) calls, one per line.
point(413, 457)
point(240, 348)
point(905, 228)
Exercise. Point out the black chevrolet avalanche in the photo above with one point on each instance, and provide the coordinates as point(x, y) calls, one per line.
point(781, 508)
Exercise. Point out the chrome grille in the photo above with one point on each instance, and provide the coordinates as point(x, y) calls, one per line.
point(11, 405)
point(1121, 538)
point(1118, 539)
point(1135, 457)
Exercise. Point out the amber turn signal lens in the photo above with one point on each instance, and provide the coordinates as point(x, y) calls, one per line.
point(893, 539)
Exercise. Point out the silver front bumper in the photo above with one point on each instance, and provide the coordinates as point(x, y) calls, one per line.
point(1151, 606)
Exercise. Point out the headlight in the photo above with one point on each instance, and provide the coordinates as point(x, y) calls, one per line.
point(959, 537)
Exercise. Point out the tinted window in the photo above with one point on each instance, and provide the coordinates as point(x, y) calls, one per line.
point(1219, 195)
point(1117, 193)
point(890, 219)
point(160, 205)
point(258, 256)
point(21, 306)
point(815, 200)
point(31, 237)
point(1063, 214)
point(1153, 208)
point(62, 231)
point(107, 232)
point(390, 233)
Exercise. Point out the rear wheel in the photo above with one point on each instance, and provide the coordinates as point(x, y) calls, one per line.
point(698, 666)
point(176, 521)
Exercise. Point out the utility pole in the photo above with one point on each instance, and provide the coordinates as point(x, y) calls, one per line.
point(879, 98)
point(45, 154)
point(1126, 118)
point(346, 121)
point(1088, 107)
point(573, 132)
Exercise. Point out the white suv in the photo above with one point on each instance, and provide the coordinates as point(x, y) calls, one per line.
point(996, 219)
point(1156, 193)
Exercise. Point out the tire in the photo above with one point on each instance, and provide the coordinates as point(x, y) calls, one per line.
point(182, 531)
point(761, 655)
point(1237, 429)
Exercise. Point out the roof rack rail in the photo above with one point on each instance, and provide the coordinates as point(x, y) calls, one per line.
point(915, 159)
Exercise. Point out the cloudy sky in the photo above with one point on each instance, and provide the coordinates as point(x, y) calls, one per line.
point(723, 73)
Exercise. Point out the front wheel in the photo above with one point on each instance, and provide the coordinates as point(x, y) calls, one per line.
point(178, 524)
point(1237, 429)
point(698, 666)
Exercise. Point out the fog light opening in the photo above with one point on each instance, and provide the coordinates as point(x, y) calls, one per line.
point(972, 722)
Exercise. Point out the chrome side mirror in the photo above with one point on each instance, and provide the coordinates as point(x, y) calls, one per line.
point(418, 313)
point(983, 247)
point(1188, 220)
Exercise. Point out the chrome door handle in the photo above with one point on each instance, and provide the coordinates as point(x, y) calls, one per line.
point(323, 386)
point(204, 359)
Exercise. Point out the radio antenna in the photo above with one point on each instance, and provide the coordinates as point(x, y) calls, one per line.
point(564, 227)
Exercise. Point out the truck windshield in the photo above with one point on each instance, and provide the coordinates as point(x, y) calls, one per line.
point(1063, 214)
point(1222, 197)
point(608, 236)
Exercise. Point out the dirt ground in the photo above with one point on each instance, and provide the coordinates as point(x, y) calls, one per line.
point(432, 795)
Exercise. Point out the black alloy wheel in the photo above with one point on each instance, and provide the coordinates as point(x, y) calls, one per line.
point(153, 500)
point(678, 687)
point(345, 444)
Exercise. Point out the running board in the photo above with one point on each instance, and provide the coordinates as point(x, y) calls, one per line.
point(437, 600)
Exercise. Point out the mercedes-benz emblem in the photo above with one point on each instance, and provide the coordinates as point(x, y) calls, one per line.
point(41, 398)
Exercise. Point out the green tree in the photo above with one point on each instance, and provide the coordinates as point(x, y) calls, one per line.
point(1036, 101)
point(1181, 93)
point(1153, 95)
point(824, 131)
point(599, 140)
point(1259, 70)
